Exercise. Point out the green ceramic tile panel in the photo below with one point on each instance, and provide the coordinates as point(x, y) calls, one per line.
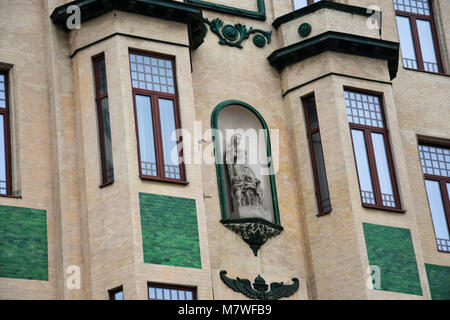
point(169, 231)
point(391, 249)
point(439, 281)
point(23, 243)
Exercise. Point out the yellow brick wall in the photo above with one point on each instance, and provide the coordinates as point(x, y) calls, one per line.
point(57, 156)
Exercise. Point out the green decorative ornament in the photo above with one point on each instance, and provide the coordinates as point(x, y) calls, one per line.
point(304, 29)
point(234, 35)
point(259, 41)
point(230, 32)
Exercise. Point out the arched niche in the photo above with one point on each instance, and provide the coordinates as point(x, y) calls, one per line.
point(245, 173)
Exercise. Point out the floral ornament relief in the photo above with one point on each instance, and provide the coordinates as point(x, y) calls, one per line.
point(234, 35)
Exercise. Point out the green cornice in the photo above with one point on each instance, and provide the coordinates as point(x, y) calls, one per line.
point(321, 5)
point(258, 15)
point(169, 10)
point(220, 167)
point(338, 42)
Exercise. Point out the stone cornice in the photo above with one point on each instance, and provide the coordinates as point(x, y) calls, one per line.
point(321, 5)
point(338, 42)
point(169, 10)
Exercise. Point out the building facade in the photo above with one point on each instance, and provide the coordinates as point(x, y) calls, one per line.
point(113, 120)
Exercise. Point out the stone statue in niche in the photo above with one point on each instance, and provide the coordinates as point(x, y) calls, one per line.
point(245, 188)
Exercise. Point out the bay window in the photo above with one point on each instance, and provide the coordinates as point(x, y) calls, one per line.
point(418, 37)
point(5, 142)
point(157, 117)
point(372, 152)
point(436, 169)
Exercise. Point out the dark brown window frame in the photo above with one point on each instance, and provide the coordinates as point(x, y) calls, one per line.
point(98, 98)
point(7, 135)
point(371, 156)
point(154, 98)
point(171, 287)
point(309, 133)
point(443, 186)
point(415, 35)
point(112, 292)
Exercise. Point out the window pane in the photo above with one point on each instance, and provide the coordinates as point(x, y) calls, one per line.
point(3, 182)
point(300, 4)
point(427, 45)
point(2, 91)
point(321, 172)
point(152, 293)
point(384, 173)
point(167, 294)
point(437, 209)
point(146, 137)
point(312, 114)
point(362, 164)
point(413, 6)
point(159, 294)
point(406, 42)
point(363, 109)
point(189, 295)
point(118, 295)
point(106, 135)
point(169, 139)
point(154, 74)
point(435, 160)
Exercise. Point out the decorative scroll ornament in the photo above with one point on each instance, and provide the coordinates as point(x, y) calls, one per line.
point(233, 35)
point(304, 29)
point(259, 290)
point(254, 231)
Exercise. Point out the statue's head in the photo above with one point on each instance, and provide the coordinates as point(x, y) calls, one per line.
point(236, 139)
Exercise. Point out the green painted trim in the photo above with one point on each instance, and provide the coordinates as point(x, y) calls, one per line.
point(220, 168)
point(322, 5)
point(258, 15)
point(191, 15)
point(338, 42)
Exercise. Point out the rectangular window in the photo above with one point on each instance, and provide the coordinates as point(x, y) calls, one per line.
point(167, 292)
point(436, 169)
point(317, 160)
point(5, 139)
point(116, 294)
point(371, 148)
point(303, 3)
point(104, 127)
point(157, 117)
point(418, 37)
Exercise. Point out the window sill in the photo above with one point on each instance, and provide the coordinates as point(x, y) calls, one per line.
point(106, 184)
point(442, 251)
point(323, 213)
point(396, 210)
point(150, 178)
point(428, 72)
point(10, 196)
